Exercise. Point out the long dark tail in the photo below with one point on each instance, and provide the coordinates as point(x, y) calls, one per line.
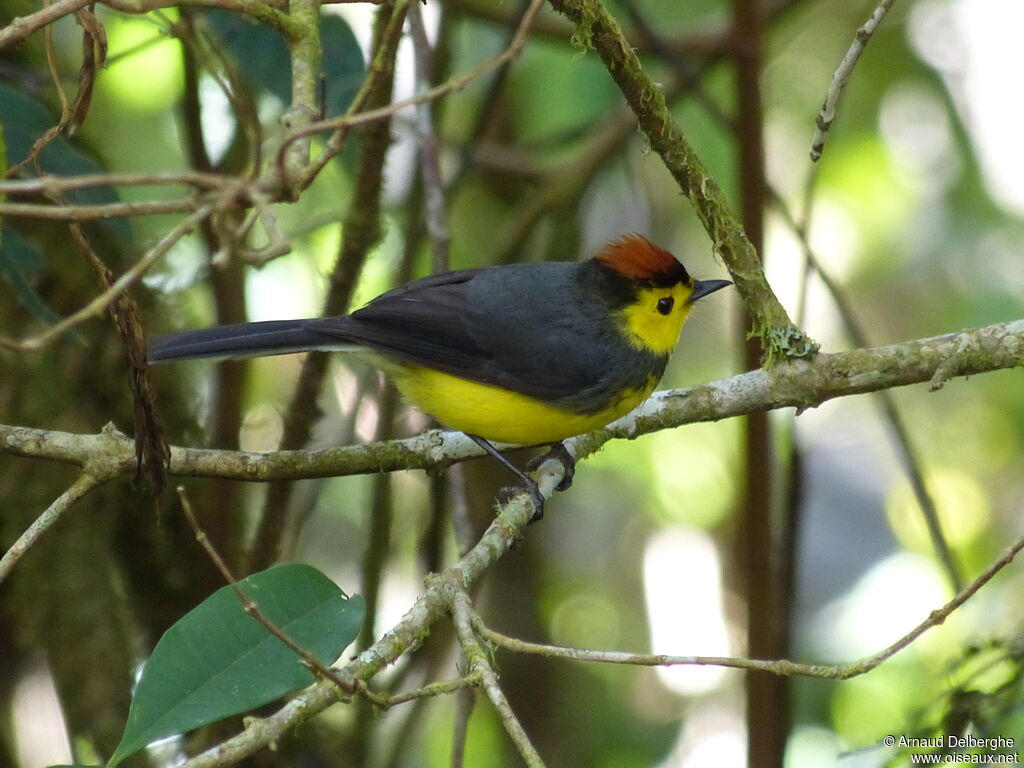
point(271, 337)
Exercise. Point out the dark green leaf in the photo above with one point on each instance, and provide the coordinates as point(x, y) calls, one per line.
point(218, 661)
point(24, 120)
point(3, 172)
point(16, 258)
point(258, 50)
point(342, 63)
point(262, 56)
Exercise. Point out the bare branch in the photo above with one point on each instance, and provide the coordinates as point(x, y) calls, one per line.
point(439, 597)
point(691, 43)
point(97, 211)
point(376, 87)
point(799, 383)
point(306, 53)
point(50, 184)
point(388, 700)
point(23, 26)
point(777, 667)
point(268, 12)
point(462, 618)
point(842, 77)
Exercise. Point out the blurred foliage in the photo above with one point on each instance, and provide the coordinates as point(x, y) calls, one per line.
point(908, 217)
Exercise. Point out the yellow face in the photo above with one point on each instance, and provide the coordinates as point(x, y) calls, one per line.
point(654, 320)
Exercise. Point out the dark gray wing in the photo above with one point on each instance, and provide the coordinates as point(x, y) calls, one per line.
point(422, 323)
point(525, 328)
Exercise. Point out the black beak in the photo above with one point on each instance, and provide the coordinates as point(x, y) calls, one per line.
point(702, 288)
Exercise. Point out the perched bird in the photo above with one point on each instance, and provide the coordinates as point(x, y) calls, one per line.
point(524, 353)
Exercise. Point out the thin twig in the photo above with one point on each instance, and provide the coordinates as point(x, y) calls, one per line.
point(96, 211)
point(151, 449)
point(387, 32)
point(455, 83)
point(441, 688)
point(462, 618)
point(268, 12)
point(257, 10)
point(775, 667)
point(24, 26)
point(49, 184)
point(99, 304)
point(702, 42)
point(842, 77)
point(58, 84)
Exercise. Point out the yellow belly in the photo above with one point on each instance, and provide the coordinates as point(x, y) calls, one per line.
point(498, 414)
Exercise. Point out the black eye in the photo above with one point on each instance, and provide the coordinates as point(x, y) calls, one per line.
point(665, 305)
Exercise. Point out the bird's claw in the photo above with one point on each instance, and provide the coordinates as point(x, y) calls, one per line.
point(560, 453)
point(509, 492)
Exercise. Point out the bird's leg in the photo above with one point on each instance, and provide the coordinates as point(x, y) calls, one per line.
point(560, 453)
point(531, 485)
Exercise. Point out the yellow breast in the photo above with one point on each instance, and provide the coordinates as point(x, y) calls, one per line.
point(500, 415)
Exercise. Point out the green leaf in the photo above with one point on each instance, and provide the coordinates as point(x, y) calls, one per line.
point(218, 661)
point(262, 56)
point(258, 50)
point(3, 173)
point(343, 65)
point(16, 259)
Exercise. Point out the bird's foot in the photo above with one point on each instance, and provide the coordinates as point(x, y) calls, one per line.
point(529, 487)
point(560, 453)
point(528, 483)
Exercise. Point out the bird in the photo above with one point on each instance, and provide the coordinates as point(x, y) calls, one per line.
point(526, 354)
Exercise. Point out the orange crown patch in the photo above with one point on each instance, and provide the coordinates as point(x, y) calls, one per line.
point(635, 257)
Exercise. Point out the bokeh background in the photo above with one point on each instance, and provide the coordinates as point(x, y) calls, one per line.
point(914, 212)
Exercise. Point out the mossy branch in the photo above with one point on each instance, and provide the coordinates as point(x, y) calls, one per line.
point(799, 384)
point(597, 29)
point(306, 52)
